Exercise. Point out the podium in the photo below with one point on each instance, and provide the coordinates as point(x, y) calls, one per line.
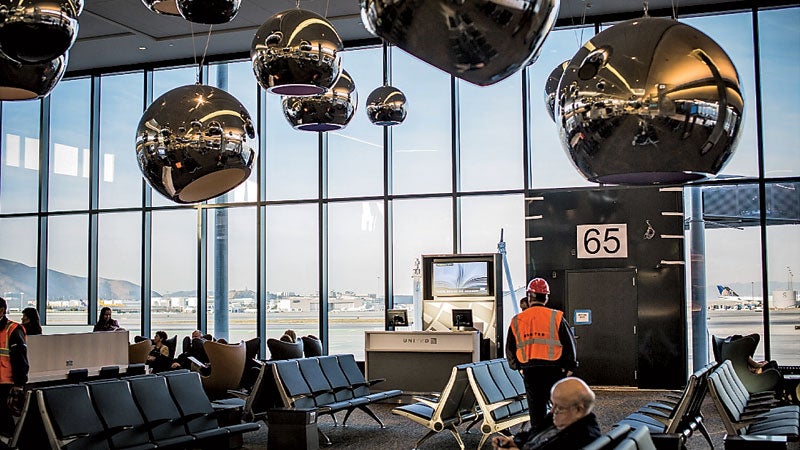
point(418, 362)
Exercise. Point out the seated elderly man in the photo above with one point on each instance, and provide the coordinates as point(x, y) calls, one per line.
point(571, 423)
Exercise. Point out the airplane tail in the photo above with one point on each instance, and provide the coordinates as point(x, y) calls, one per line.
point(725, 291)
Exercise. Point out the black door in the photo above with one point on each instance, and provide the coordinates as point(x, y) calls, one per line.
point(605, 328)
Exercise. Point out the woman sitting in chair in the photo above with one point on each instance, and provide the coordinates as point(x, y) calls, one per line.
point(159, 359)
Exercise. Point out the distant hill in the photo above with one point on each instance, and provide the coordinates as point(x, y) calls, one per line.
point(17, 277)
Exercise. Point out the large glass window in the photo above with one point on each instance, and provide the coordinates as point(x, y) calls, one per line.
point(355, 274)
point(18, 244)
point(119, 244)
point(780, 90)
point(67, 265)
point(551, 167)
point(120, 110)
point(19, 174)
point(292, 157)
point(421, 227)
point(421, 145)
point(292, 270)
point(355, 153)
point(174, 272)
point(70, 159)
point(232, 271)
point(491, 135)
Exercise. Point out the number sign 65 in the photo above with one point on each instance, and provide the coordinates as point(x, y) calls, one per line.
point(602, 241)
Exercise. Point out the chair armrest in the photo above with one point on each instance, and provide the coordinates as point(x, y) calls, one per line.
point(238, 394)
point(431, 403)
point(375, 381)
point(197, 362)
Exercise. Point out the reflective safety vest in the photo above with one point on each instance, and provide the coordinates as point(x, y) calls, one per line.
point(6, 376)
point(536, 332)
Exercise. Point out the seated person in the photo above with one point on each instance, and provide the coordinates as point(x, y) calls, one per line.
point(30, 320)
point(571, 423)
point(105, 322)
point(196, 350)
point(289, 336)
point(754, 366)
point(159, 359)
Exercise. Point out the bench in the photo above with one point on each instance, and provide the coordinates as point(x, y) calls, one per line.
point(501, 396)
point(743, 415)
point(327, 385)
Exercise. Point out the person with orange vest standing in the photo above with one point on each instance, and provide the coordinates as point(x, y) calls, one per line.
point(13, 367)
point(540, 343)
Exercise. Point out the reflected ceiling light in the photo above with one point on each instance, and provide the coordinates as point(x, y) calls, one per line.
point(296, 52)
point(332, 110)
point(386, 106)
point(649, 101)
point(479, 41)
point(38, 31)
point(210, 12)
point(550, 88)
point(192, 143)
point(166, 7)
point(19, 81)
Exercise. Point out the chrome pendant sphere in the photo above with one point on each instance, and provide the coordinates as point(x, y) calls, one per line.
point(166, 7)
point(38, 31)
point(550, 88)
point(20, 81)
point(192, 143)
point(330, 111)
point(649, 101)
point(296, 52)
point(386, 106)
point(479, 41)
point(210, 12)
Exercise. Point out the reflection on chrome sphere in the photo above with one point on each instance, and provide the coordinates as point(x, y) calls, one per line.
point(208, 11)
point(38, 31)
point(332, 110)
point(166, 7)
point(386, 106)
point(649, 101)
point(479, 41)
point(191, 143)
point(20, 81)
point(296, 52)
point(550, 88)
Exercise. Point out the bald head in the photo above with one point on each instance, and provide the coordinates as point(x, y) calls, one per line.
point(572, 400)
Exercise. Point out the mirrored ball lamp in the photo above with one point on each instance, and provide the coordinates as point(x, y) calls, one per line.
point(330, 111)
point(479, 41)
point(166, 7)
point(24, 81)
point(193, 143)
point(550, 88)
point(649, 101)
point(296, 52)
point(386, 106)
point(210, 12)
point(38, 31)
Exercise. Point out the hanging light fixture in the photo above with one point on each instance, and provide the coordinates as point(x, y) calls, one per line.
point(296, 52)
point(479, 41)
point(386, 106)
point(192, 143)
point(332, 110)
point(37, 31)
point(208, 12)
point(649, 101)
point(166, 7)
point(19, 81)
point(550, 88)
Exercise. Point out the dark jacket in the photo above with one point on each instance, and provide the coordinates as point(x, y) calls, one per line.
point(567, 360)
point(573, 437)
point(18, 352)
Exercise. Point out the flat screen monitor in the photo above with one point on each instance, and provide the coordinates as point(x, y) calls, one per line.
point(461, 278)
point(397, 317)
point(462, 318)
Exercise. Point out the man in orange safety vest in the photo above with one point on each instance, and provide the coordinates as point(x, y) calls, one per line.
point(540, 343)
point(13, 367)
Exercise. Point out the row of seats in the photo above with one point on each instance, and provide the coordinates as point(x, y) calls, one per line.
point(744, 413)
point(624, 437)
point(143, 412)
point(489, 392)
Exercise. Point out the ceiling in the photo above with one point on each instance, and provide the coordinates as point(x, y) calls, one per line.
point(123, 33)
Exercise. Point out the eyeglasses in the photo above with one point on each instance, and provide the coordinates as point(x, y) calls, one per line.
point(561, 409)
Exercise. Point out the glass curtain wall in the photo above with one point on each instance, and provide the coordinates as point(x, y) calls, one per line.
point(446, 180)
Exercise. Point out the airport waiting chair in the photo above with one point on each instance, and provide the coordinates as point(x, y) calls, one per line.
point(137, 353)
point(637, 439)
point(312, 346)
point(114, 403)
point(738, 351)
point(502, 406)
point(280, 350)
point(155, 403)
point(70, 420)
point(229, 361)
point(456, 405)
point(610, 439)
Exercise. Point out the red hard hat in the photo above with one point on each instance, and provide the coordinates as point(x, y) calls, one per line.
point(538, 286)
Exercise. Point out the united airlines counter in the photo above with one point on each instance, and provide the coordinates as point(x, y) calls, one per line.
point(418, 361)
